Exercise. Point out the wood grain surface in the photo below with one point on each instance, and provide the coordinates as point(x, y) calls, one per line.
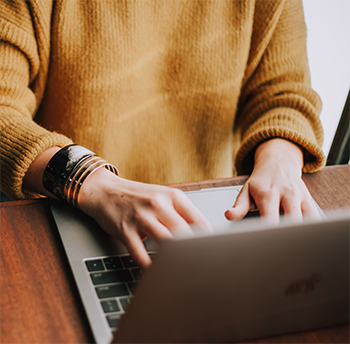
point(39, 299)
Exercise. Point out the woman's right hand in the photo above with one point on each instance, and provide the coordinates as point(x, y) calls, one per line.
point(128, 210)
point(132, 211)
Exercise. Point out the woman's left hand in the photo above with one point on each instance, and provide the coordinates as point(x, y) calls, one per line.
point(275, 185)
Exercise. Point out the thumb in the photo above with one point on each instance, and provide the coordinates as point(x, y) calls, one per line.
point(243, 204)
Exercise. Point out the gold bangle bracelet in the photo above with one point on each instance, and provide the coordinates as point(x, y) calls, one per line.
point(72, 178)
point(79, 175)
point(88, 172)
point(76, 174)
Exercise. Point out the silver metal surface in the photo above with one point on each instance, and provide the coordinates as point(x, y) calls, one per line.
point(245, 284)
point(197, 287)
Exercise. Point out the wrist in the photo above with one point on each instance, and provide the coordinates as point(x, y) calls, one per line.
point(32, 180)
point(68, 169)
point(101, 184)
point(280, 150)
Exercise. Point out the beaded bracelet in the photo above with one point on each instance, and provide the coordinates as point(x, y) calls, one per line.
point(69, 168)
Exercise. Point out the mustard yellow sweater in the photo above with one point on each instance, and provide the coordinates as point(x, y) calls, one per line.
point(166, 90)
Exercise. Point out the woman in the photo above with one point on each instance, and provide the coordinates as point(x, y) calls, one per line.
point(165, 90)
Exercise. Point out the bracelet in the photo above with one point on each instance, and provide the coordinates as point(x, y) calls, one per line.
point(61, 165)
point(69, 168)
point(83, 169)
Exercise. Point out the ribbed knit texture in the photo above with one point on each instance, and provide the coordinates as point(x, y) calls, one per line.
point(166, 90)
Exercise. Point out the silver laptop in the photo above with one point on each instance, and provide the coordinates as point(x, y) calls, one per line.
point(247, 280)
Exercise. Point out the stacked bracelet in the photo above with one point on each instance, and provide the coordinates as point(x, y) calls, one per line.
point(68, 169)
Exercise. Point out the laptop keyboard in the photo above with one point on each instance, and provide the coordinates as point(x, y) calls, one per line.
point(114, 279)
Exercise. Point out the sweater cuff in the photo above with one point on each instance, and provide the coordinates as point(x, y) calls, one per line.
point(281, 123)
point(21, 142)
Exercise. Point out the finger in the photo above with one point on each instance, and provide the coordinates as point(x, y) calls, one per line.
point(191, 215)
point(176, 224)
point(156, 230)
point(241, 206)
point(292, 208)
point(137, 250)
point(309, 209)
point(269, 206)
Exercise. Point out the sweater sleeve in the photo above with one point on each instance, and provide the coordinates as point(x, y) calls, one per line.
point(276, 98)
point(23, 73)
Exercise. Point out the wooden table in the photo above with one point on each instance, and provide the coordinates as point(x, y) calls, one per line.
point(39, 299)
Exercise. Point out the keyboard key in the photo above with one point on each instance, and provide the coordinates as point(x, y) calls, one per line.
point(252, 214)
point(125, 302)
point(113, 263)
point(128, 262)
point(112, 291)
point(152, 255)
point(94, 265)
point(116, 276)
point(132, 286)
point(150, 245)
point(113, 320)
point(110, 306)
point(137, 273)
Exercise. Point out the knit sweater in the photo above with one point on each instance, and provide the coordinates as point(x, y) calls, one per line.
point(166, 90)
